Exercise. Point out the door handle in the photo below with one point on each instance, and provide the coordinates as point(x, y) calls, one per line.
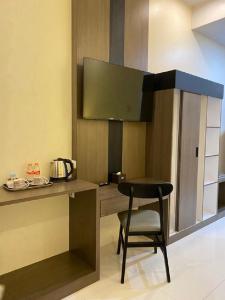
point(196, 151)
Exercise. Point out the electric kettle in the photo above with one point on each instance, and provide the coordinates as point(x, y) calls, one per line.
point(61, 169)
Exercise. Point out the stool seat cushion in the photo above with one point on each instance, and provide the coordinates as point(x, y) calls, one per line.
point(141, 220)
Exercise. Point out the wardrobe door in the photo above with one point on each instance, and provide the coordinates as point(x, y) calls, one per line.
point(188, 160)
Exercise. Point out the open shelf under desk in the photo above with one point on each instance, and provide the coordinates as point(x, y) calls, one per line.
point(47, 279)
point(61, 275)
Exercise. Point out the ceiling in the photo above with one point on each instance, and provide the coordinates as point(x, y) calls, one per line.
point(194, 2)
point(214, 30)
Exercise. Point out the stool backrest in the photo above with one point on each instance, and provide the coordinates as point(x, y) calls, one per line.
point(146, 190)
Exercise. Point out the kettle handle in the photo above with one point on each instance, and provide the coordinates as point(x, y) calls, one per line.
point(71, 166)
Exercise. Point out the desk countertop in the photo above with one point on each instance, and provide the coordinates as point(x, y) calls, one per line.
point(57, 189)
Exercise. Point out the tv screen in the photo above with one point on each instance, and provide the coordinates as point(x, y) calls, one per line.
point(114, 92)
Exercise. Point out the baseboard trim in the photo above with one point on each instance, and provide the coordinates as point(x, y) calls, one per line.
point(179, 235)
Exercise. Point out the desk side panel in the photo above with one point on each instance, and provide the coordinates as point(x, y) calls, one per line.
point(84, 230)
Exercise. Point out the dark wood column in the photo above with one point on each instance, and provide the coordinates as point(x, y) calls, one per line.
point(116, 56)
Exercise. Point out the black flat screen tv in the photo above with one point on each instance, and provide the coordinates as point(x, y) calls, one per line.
point(113, 92)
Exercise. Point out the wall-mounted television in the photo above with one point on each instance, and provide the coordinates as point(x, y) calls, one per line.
point(113, 92)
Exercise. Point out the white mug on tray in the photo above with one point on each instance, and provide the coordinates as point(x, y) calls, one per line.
point(18, 183)
point(39, 181)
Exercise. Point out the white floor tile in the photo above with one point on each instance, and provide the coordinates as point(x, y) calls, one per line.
point(218, 293)
point(197, 266)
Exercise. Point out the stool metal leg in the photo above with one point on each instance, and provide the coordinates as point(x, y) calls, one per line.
point(124, 257)
point(164, 251)
point(119, 239)
point(124, 263)
point(155, 248)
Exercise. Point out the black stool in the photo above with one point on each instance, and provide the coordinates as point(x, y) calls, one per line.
point(143, 222)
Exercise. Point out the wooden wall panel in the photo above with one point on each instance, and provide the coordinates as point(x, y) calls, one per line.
point(159, 137)
point(136, 34)
point(92, 34)
point(135, 56)
point(92, 137)
point(74, 78)
point(162, 144)
point(174, 157)
point(134, 139)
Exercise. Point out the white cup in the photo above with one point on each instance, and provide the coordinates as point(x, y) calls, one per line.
point(39, 181)
point(20, 183)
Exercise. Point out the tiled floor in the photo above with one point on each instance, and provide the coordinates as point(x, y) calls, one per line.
point(197, 265)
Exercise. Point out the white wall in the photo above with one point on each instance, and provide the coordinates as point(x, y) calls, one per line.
point(173, 45)
point(208, 12)
point(35, 121)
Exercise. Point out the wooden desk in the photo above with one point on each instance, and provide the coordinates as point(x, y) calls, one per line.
point(59, 276)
